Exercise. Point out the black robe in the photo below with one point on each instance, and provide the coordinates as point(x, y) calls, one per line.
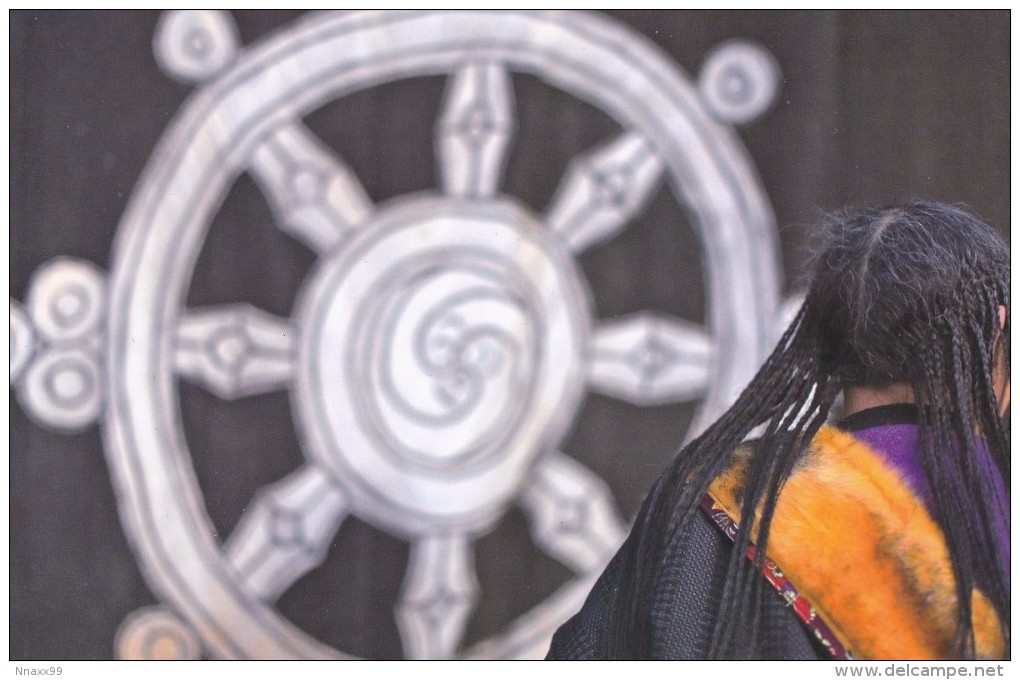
point(684, 610)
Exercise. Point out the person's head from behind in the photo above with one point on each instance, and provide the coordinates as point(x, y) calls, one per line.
point(915, 295)
point(909, 300)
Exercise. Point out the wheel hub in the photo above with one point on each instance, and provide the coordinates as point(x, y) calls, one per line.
point(440, 353)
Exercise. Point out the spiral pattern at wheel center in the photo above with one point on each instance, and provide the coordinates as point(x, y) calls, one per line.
point(451, 346)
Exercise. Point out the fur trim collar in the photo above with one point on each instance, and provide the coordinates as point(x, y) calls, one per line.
point(862, 548)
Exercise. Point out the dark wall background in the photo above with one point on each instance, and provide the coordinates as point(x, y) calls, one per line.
point(874, 107)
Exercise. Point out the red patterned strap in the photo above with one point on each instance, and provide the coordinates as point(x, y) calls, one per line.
point(774, 575)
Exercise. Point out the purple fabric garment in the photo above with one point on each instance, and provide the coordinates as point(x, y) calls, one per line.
point(898, 443)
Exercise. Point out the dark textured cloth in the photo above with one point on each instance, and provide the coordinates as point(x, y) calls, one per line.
point(683, 613)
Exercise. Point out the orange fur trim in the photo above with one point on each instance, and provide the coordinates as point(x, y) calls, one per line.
point(861, 547)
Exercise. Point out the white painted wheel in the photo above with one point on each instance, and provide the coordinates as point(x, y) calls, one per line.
point(442, 345)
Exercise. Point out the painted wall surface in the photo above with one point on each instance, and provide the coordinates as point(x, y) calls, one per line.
point(364, 334)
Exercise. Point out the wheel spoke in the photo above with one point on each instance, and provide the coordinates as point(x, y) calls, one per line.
point(439, 592)
point(650, 360)
point(574, 518)
point(235, 351)
point(286, 532)
point(603, 190)
point(474, 130)
point(314, 195)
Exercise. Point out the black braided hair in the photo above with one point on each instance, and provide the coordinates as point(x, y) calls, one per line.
point(904, 294)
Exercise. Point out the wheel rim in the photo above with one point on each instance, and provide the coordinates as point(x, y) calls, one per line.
point(225, 126)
